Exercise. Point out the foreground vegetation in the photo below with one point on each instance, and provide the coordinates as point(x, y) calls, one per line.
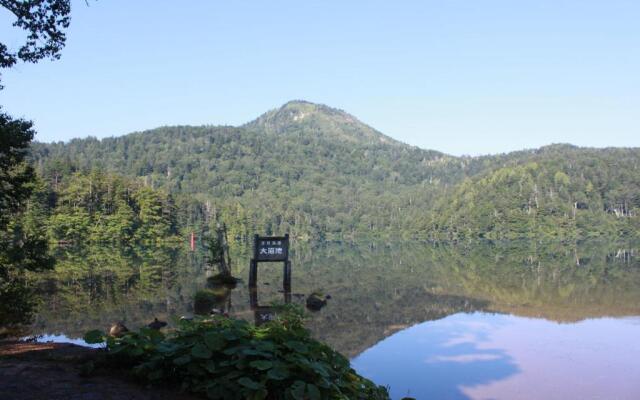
point(225, 358)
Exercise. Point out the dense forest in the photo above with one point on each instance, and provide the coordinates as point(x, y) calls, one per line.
point(318, 172)
point(559, 191)
point(100, 207)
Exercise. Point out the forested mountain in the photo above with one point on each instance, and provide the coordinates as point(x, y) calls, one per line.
point(304, 169)
point(315, 171)
point(558, 191)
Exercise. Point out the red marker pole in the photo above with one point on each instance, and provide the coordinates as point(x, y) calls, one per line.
point(193, 241)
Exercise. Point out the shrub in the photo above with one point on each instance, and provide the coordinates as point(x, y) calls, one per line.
point(206, 299)
point(226, 358)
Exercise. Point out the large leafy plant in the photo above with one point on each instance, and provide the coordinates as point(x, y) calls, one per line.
point(227, 358)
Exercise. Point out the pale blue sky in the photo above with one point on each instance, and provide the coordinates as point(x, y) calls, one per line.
point(463, 77)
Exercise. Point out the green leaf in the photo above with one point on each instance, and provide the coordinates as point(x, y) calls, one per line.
point(195, 370)
point(242, 363)
point(214, 341)
point(155, 375)
point(215, 392)
point(232, 350)
point(297, 346)
point(94, 337)
point(320, 369)
point(262, 365)
point(254, 352)
point(165, 348)
point(313, 392)
point(297, 390)
point(210, 366)
point(154, 335)
point(278, 374)
point(249, 383)
point(136, 352)
point(265, 346)
point(229, 335)
point(233, 375)
point(201, 351)
point(182, 360)
point(260, 394)
point(117, 349)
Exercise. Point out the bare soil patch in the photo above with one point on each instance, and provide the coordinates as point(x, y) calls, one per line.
point(57, 371)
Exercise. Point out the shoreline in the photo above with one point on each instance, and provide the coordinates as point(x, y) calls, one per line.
point(60, 371)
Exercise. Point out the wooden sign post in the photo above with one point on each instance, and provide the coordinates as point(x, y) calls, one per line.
point(270, 249)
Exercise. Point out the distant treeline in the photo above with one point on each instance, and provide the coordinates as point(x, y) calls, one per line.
point(99, 207)
point(559, 191)
point(317, 172)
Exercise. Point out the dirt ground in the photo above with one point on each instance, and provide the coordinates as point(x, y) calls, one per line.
point(57, 371)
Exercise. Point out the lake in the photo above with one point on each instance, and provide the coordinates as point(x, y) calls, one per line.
point(514, 320)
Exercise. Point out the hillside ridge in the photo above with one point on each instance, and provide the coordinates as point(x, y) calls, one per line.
point(296, 115)
point(315, 171)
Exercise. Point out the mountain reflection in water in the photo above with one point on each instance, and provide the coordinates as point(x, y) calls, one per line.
point(473, 321)
point(498, 356)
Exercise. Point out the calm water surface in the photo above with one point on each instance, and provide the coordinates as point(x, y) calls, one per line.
point(506, 321)
point(498, 356)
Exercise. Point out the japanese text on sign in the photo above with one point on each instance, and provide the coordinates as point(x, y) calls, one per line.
point(272, 249)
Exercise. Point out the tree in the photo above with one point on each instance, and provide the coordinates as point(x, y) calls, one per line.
point(19, 249)
point(22, 245)
point(153, 224)
point(45, 22)
point(15, 174)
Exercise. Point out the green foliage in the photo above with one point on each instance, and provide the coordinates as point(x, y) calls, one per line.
point(317, 172)
point(222, 279)
point(559, 192)
point(94, 337)
point(16, 175)
point(23, 246)
point(17, 302)
point(207, 299)
point(45, 22)
point(305, 169)
point(215, 251)
point(225, 358)
point(101, 207)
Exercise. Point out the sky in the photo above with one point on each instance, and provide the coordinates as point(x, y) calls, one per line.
point(463, 77)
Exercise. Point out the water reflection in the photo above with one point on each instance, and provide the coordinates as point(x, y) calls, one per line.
point(265, 313)
point(377, 291)
point(436, 360)
point(494, 356)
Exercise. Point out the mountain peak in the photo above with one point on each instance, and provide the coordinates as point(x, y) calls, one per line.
point(301, 115)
